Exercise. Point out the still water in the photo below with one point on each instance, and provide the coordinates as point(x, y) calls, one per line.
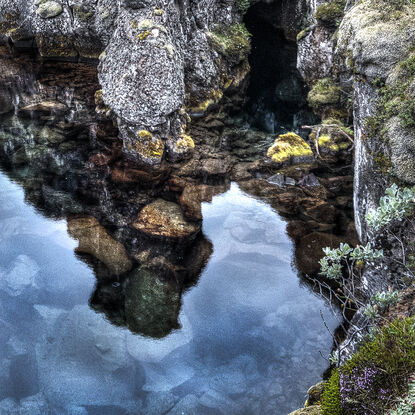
point(250, 332)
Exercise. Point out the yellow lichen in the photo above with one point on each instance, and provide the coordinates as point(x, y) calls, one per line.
point(158, 12)
point(144, 134)
point(214, 97)
point(144, 35)
point(287, 146)
point(147, 145)
point(185, 142)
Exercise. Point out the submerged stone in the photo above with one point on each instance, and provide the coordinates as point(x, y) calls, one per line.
point(163, 218)
point(151, 305)
point(94, 240)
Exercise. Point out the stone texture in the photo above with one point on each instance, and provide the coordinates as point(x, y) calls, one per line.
point(164, 219)
point(94, 240)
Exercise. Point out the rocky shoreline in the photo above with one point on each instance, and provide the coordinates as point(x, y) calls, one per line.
point(155, 94)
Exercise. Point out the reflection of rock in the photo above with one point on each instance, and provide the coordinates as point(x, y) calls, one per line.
point(94, 240)
point(151, 305)
point(163, 218)
point(309, 250)
point(45, 107)
point(194, 195)
point(21, 277)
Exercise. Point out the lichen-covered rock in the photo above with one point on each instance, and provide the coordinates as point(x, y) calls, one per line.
point(290, 148)
point(48, 9)
point(165, 219)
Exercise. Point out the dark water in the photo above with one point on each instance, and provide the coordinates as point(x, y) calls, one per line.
point(248, 343)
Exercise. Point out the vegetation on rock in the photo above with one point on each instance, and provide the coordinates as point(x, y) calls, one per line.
point(330, 13)
point(324, 93)
point(233, 41)
point(288, 147)
point(377, 373)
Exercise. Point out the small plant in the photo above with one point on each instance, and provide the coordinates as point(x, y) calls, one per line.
point(394, 206)
point(406, 405)
point(380, 370)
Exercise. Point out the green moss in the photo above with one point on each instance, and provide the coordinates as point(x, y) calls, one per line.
point(303, 34)
point(243, 5)
point(233, 41)
point(330, 13)
point(331, 400)
point(288, 146)
point(391, 354)
point(324, 93)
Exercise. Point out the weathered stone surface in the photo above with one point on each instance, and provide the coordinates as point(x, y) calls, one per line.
point(164, 219)
point(48, 9)
point(311, 410)
point(94, 240)
point(45, 107)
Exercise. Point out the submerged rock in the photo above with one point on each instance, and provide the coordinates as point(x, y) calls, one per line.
point(165, 219)
point(94, 240)
point(309, 250)
point(151, 305)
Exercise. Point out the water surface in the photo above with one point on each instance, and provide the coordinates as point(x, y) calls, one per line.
point(250, 332)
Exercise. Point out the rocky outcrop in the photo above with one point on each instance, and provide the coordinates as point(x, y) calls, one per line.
point(158, 61)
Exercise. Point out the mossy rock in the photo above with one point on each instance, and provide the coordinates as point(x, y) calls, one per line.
point(376, 375)
point(290, 148)
point(147, 147)
point(324, 93)
point(331, 13)
point(233, 41)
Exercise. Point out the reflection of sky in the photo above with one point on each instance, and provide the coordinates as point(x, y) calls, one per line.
point(249, 342)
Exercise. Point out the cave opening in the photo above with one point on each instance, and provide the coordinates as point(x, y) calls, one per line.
point(276, 97)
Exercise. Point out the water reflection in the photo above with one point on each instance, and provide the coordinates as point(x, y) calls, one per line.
point(249, 339)
point(115, 298)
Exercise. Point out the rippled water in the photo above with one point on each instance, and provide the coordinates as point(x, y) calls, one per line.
point(250, 332)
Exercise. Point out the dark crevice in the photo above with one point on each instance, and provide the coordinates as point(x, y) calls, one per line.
point(276, 96)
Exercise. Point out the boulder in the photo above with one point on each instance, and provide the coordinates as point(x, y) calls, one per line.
point(151, 305)
point(165, 219)
point(310, 410)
